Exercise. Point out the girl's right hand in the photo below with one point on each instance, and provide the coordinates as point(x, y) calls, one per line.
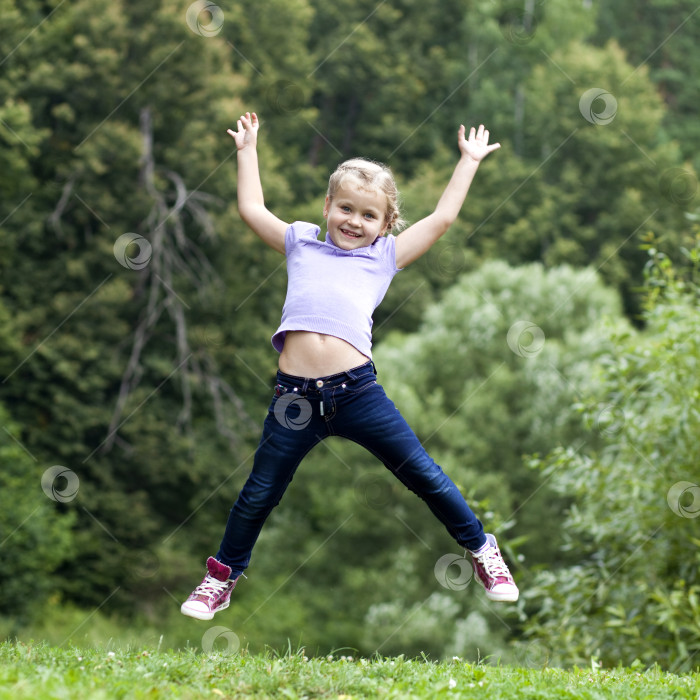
point(247, 134)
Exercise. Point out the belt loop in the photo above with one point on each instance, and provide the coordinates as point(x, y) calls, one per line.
point(304, 386)
point(374, 369)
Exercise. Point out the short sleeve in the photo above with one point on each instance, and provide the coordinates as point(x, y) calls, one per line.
point(387, 253)
point(297, 232)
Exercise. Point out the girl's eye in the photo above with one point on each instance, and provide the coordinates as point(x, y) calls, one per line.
point(369, 216)
point(345, 208)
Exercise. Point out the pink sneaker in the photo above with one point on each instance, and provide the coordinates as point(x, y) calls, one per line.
point(492, 572)
point(213, 594)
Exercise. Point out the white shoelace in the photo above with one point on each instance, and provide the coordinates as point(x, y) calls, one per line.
point(211, 587)
point(494, 564)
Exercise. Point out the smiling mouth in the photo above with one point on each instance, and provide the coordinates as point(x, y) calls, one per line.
point(349, 233)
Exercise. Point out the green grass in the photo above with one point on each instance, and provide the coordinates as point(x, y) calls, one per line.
point(44, 672)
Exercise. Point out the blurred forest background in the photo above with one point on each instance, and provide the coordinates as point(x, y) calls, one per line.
point(547, 350)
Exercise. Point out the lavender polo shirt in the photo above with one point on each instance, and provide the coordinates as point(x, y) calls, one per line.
point(331, 290)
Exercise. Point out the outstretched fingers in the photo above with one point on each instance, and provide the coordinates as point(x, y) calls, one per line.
point(250, 121)
point(246, 129)
point(477, 144)
point(239, 129)
point(482, 134)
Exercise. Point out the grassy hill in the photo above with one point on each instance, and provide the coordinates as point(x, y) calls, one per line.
point(43, 672)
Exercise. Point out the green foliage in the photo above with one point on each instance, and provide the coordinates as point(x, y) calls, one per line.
point(662, 36)
point(122, 139)
point(592, 189)
point(150, 384)
point(35, 529)
point(632, 592)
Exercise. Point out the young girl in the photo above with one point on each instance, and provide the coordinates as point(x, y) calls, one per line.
point(326, 384)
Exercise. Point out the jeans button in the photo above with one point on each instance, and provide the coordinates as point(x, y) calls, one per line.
point(319, 383)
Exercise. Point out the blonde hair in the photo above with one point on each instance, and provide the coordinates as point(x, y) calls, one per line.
point(371, 175)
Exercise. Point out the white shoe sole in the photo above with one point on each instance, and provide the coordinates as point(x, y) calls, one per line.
point(503, 597)
point(200, 614)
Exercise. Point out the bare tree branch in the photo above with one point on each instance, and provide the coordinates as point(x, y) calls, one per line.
point(175, 254)
point(54, 219)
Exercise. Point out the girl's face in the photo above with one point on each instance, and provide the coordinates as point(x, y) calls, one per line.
point(356, 217)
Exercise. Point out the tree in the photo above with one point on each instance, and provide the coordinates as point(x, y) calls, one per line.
point(35, 528)
point(663, 37)
point(631, 591)
point(601, 176)
point(123, 111)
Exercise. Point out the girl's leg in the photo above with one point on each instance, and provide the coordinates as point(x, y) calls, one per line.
point(283, 444)
point(367, 416)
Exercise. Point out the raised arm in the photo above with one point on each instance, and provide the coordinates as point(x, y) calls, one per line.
point(417, 239)
point(251, 203)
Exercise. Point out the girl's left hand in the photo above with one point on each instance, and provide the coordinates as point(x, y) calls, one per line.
point(247, 134)
point(477, 146)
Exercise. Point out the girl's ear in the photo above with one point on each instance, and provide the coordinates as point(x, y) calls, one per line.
point(387, 227)
point(326, 207)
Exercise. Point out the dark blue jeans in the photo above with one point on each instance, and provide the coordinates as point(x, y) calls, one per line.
point(352, 405)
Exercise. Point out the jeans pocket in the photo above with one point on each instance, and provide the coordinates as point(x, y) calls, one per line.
point(357, 386)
